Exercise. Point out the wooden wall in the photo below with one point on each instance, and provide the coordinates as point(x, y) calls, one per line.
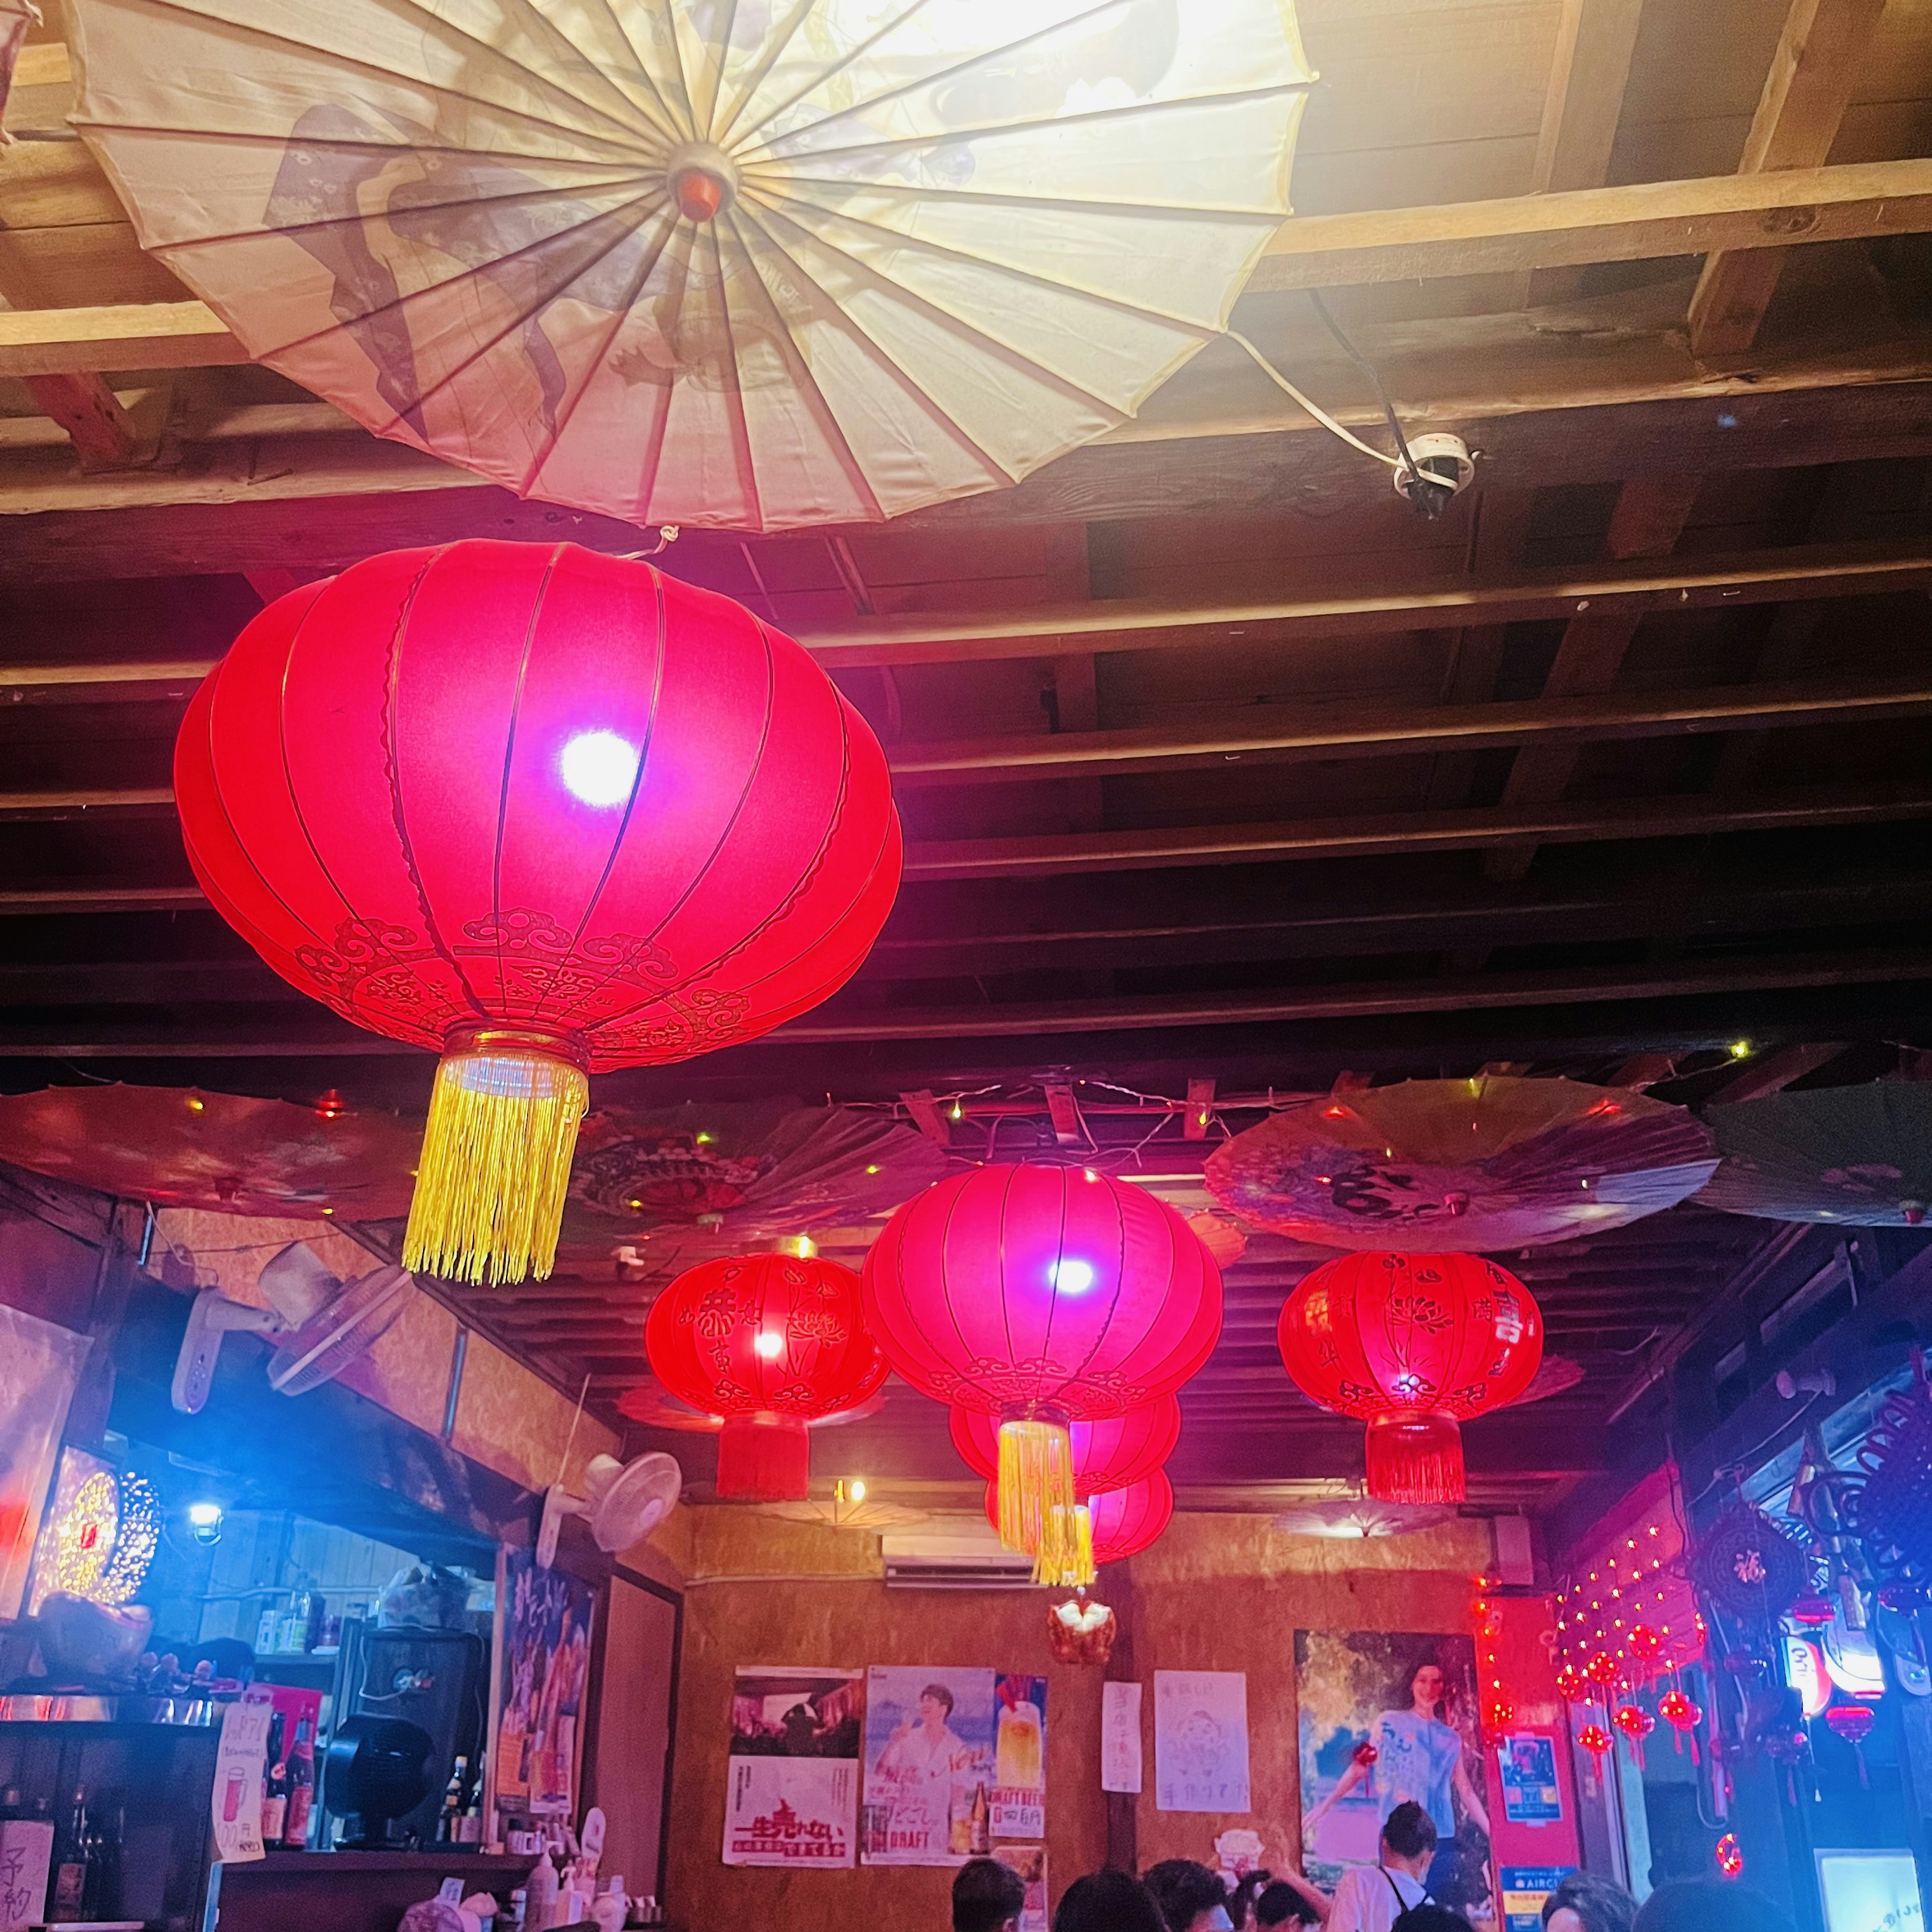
point(1219, 1592)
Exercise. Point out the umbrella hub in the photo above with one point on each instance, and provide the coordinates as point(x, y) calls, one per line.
point(702, 180)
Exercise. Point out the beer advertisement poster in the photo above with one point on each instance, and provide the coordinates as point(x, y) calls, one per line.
point(931, 1732)
point(1019, 1759)
point(792, 1795)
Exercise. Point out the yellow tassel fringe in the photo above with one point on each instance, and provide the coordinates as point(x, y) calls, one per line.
point(1066, 1555)
point(496, 1163)
point(1035, 1481)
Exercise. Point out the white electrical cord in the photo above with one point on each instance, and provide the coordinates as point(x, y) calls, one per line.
point(1314, 408)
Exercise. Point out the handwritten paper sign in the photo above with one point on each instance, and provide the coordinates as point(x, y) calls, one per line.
point(1121, 1737)
point(236, 1803)
point(1201, 1741)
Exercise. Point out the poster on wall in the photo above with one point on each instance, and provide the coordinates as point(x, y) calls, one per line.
point(1387, 1717)
point(1201, 1741)
point(1121, 1737)
point(1526, 1768)
point(930, 1732)
point(792, 1790)
point(1029, 1861)
point(546, 1661)
point(1019, 1758)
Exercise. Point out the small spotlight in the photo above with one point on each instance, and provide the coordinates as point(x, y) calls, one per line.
point(769, 1344)
point(204, 1520)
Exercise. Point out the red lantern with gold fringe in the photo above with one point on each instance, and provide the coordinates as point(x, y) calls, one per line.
point(1110, 1526)
point(545, 813)
point(1043, 1297)
point(1107, 1455)
point(1414, 1345)
point(771, 1343)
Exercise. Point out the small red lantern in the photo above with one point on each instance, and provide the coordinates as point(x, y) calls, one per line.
point(1813, 1611)
point(1596, 1741)
point(1498, 1716)
point(1414, 1345)
point(1602, 1669)
point(1636, 1724)
point(1645, 1643)
point(1853, 1722)
point(770, 1342)
point(1682, 1716)
point(546, 814)
point(1573, 1684)
point(1730, 1856)
point(1043, 1296)
point(1107, 1455)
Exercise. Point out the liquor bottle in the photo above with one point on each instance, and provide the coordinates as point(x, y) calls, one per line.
point(67, 1876)
point(275, 1784)
point(452, 1804)
point(301, 1786)
point(980, 1838)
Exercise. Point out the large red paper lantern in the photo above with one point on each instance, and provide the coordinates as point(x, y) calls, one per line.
point(1044, 1296)
point(1107, 1455)
point(1414, 1344)
point(1109, 1527)
point(547, 813)
point(770, 1343)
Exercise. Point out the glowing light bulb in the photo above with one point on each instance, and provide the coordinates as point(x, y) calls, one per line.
point(202, 1514)
point(769, 1344)
point(600, 768)
point(855, 1488)
point(1073, 1276)
point(1740, 1049)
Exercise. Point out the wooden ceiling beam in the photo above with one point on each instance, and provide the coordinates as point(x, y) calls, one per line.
point(326, 1038)
point(57, 186)
point(1700, 815)
point(1765, 1074)
point(1806, 93)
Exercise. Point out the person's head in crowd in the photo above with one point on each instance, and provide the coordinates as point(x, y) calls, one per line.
point(1708, 1905)
point(1241, 1900)
point(1281, 1904)
point(1109, 1901)
point(1191, 1897)
point(987, 1896)
point(1432, 1919)
point(1408, 1839)
point(1585, 1903)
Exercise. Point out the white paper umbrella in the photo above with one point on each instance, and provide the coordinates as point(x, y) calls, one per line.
point(754, 263)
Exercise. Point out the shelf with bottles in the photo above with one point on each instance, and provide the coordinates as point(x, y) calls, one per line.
point(118, 1810)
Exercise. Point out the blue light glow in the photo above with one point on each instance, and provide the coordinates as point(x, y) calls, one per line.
point(600, 768)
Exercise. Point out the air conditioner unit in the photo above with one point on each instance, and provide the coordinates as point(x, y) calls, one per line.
point(941, 1557)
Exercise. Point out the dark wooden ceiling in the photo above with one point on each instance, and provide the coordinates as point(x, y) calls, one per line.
point(1216, 762)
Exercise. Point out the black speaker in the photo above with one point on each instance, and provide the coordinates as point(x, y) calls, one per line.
point(432, 1678)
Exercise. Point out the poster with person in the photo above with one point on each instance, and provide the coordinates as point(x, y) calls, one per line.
point(1387, 1718)
point(546, 1662)
point(930, 1761)
point(792, 1789)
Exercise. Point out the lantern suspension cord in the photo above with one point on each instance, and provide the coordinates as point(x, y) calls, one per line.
point(668, 535)
point(1403, 464)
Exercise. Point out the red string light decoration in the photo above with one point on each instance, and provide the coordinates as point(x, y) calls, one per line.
point(1043, 1296)
point(1683, 1717)
point(769, 1342)
point(1730, 1856)
point(1107, 1454)
point(1635, 1723)
point(1498, 1706)
point(546, 814)
point(1629, 1595)
point(1413, 1346)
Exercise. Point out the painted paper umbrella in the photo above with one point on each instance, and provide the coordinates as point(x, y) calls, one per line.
point(1858, 1155)
point(1477, 1165)
point(180, 1147)
point(715, 261)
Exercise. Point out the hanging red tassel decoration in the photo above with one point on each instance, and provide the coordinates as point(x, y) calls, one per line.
point(1636, 1724)
point(1683, 1717)
point(1853, 1722)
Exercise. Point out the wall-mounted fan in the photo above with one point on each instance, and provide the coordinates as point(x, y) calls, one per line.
point(627, 1502)
point(319, 1325)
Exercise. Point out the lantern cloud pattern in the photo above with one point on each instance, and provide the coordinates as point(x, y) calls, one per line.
point(1414, 1344)
point(548, 813)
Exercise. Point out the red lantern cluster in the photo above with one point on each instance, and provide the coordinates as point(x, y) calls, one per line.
point(522, 802)
point(1414, 1345)
point(770, 1343)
